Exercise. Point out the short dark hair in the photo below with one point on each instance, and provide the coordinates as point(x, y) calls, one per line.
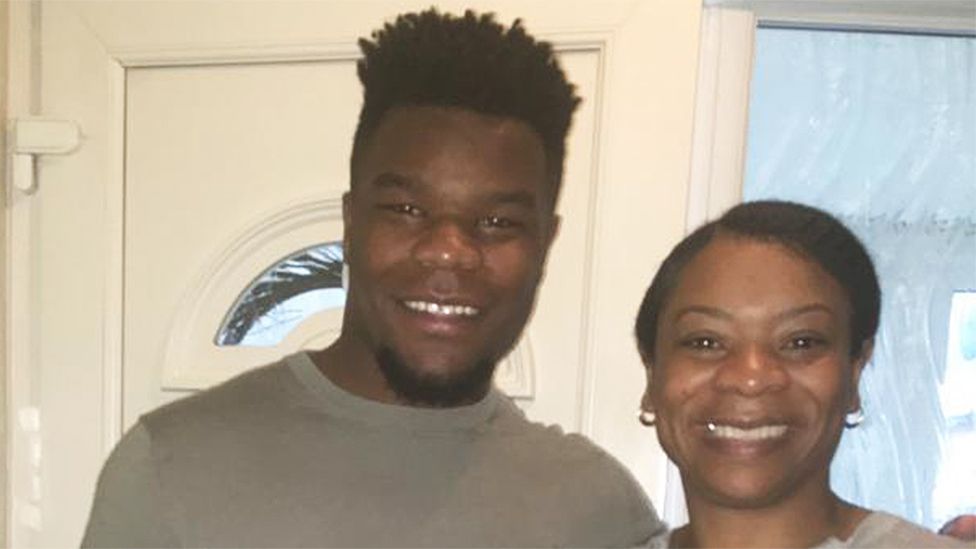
point(813, 233)
point(469, 62)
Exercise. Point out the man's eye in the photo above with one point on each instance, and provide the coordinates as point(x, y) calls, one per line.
point(702, 344)
point(497, 222)
point(403, 209)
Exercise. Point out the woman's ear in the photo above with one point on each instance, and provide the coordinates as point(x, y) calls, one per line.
point(647, 402)
point(860, 361)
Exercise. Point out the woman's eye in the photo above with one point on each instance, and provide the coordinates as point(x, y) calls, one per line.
point(802, 343)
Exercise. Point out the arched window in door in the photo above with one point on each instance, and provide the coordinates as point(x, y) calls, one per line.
point(284, 295)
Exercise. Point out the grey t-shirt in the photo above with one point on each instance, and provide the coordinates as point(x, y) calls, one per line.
point(878, 530)
point(281, 457)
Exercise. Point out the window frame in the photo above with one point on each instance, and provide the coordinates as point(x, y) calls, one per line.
point(728, 29)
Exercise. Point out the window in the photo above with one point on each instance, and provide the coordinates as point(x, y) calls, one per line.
point(287, 293)
point(880, 129)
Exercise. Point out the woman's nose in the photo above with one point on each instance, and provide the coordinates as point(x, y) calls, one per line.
point(752, 370)
point(446, 244)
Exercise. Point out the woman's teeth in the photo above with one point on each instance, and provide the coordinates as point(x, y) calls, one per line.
point(761, 432)
point(441, 309)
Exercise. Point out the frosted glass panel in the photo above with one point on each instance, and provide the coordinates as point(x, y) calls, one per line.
point(284, 295)
point(880, 129)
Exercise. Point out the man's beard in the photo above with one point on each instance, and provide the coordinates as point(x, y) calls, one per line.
point(465, 387)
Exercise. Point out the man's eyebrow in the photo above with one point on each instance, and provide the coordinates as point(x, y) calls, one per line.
point(388, 180)
point(518, 198)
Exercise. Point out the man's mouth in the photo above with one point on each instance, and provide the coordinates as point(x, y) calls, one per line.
point(442, 309)
point(746, 434)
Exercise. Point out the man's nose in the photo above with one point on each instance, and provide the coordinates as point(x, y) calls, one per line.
point(752, 370)
point(447, 244)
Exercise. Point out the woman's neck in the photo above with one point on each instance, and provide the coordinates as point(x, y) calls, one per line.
point(803, 519)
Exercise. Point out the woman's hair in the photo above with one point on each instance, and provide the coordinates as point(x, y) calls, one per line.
point(811, 232)
point(470, 62)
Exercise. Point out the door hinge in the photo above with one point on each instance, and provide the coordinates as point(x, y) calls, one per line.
point(28, 138)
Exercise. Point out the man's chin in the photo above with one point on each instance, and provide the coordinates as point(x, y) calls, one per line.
point(418, 388)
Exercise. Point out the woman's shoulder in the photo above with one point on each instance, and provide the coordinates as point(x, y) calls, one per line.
point(880, 529)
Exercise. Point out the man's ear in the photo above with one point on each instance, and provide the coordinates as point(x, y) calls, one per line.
point(860, 361)
point(553, 229)
point(346, 220)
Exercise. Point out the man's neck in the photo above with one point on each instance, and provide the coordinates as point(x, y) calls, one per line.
point(352, 367)
point(803, 519)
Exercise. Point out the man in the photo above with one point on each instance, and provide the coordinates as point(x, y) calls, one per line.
point(393, 435)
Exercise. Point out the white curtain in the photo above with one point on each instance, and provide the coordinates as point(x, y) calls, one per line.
point(880, 129)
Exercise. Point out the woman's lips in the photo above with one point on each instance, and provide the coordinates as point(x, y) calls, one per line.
point(745, 439)
point(758, 432)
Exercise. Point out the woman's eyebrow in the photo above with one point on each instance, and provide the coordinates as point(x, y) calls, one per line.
point(702, 310)
point(805, 309)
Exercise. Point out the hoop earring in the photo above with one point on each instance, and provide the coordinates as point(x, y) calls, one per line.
point(853, 419)
point(646, 418)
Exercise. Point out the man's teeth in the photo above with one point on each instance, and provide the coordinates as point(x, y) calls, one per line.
point(755, 433)
point(442, 309)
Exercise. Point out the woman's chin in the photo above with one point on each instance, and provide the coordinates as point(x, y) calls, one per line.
point(741, 491)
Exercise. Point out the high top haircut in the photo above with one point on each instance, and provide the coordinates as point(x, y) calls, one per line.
point(469, 62)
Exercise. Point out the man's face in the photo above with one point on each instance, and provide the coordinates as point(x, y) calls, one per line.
point(446, 232)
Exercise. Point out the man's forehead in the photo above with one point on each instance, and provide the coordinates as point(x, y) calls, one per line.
point(459, 119)
point(391, 181)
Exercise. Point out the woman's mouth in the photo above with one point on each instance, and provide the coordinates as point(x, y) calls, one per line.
point(745, 434)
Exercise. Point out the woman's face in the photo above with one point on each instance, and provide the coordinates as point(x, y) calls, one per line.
point(752, 373)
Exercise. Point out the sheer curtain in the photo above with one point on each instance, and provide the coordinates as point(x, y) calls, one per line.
point(880, 129)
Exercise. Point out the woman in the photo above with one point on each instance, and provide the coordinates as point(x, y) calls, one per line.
point(754, 332)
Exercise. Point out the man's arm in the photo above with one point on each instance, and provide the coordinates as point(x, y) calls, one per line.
point(129, 508)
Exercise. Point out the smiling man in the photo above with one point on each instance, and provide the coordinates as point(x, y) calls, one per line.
point(394, 435)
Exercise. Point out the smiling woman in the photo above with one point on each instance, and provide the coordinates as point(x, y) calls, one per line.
point(754, 332)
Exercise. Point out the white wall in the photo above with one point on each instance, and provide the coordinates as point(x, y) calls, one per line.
point(3, 268)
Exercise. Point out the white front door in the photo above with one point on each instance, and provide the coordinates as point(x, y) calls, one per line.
point(216, 138)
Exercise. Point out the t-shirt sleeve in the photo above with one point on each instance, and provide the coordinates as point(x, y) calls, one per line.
point(130, 508)
point(647, 525)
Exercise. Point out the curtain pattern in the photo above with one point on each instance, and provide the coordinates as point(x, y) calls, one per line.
point(880, 129)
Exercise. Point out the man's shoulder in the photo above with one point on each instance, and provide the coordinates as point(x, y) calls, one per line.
point(537, 438)
point(555, 452)
point(260, 393)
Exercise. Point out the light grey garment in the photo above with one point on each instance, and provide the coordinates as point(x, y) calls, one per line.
point(882, 531)
point(281, 457)
point(878, 530)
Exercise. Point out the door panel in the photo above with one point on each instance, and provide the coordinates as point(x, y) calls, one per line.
point(216, 143)
point(210, 151)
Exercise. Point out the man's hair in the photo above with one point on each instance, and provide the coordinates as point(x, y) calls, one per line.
point(469, 62)
point(813, 233)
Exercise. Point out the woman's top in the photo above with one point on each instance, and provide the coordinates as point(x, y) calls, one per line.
point(877, 530)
